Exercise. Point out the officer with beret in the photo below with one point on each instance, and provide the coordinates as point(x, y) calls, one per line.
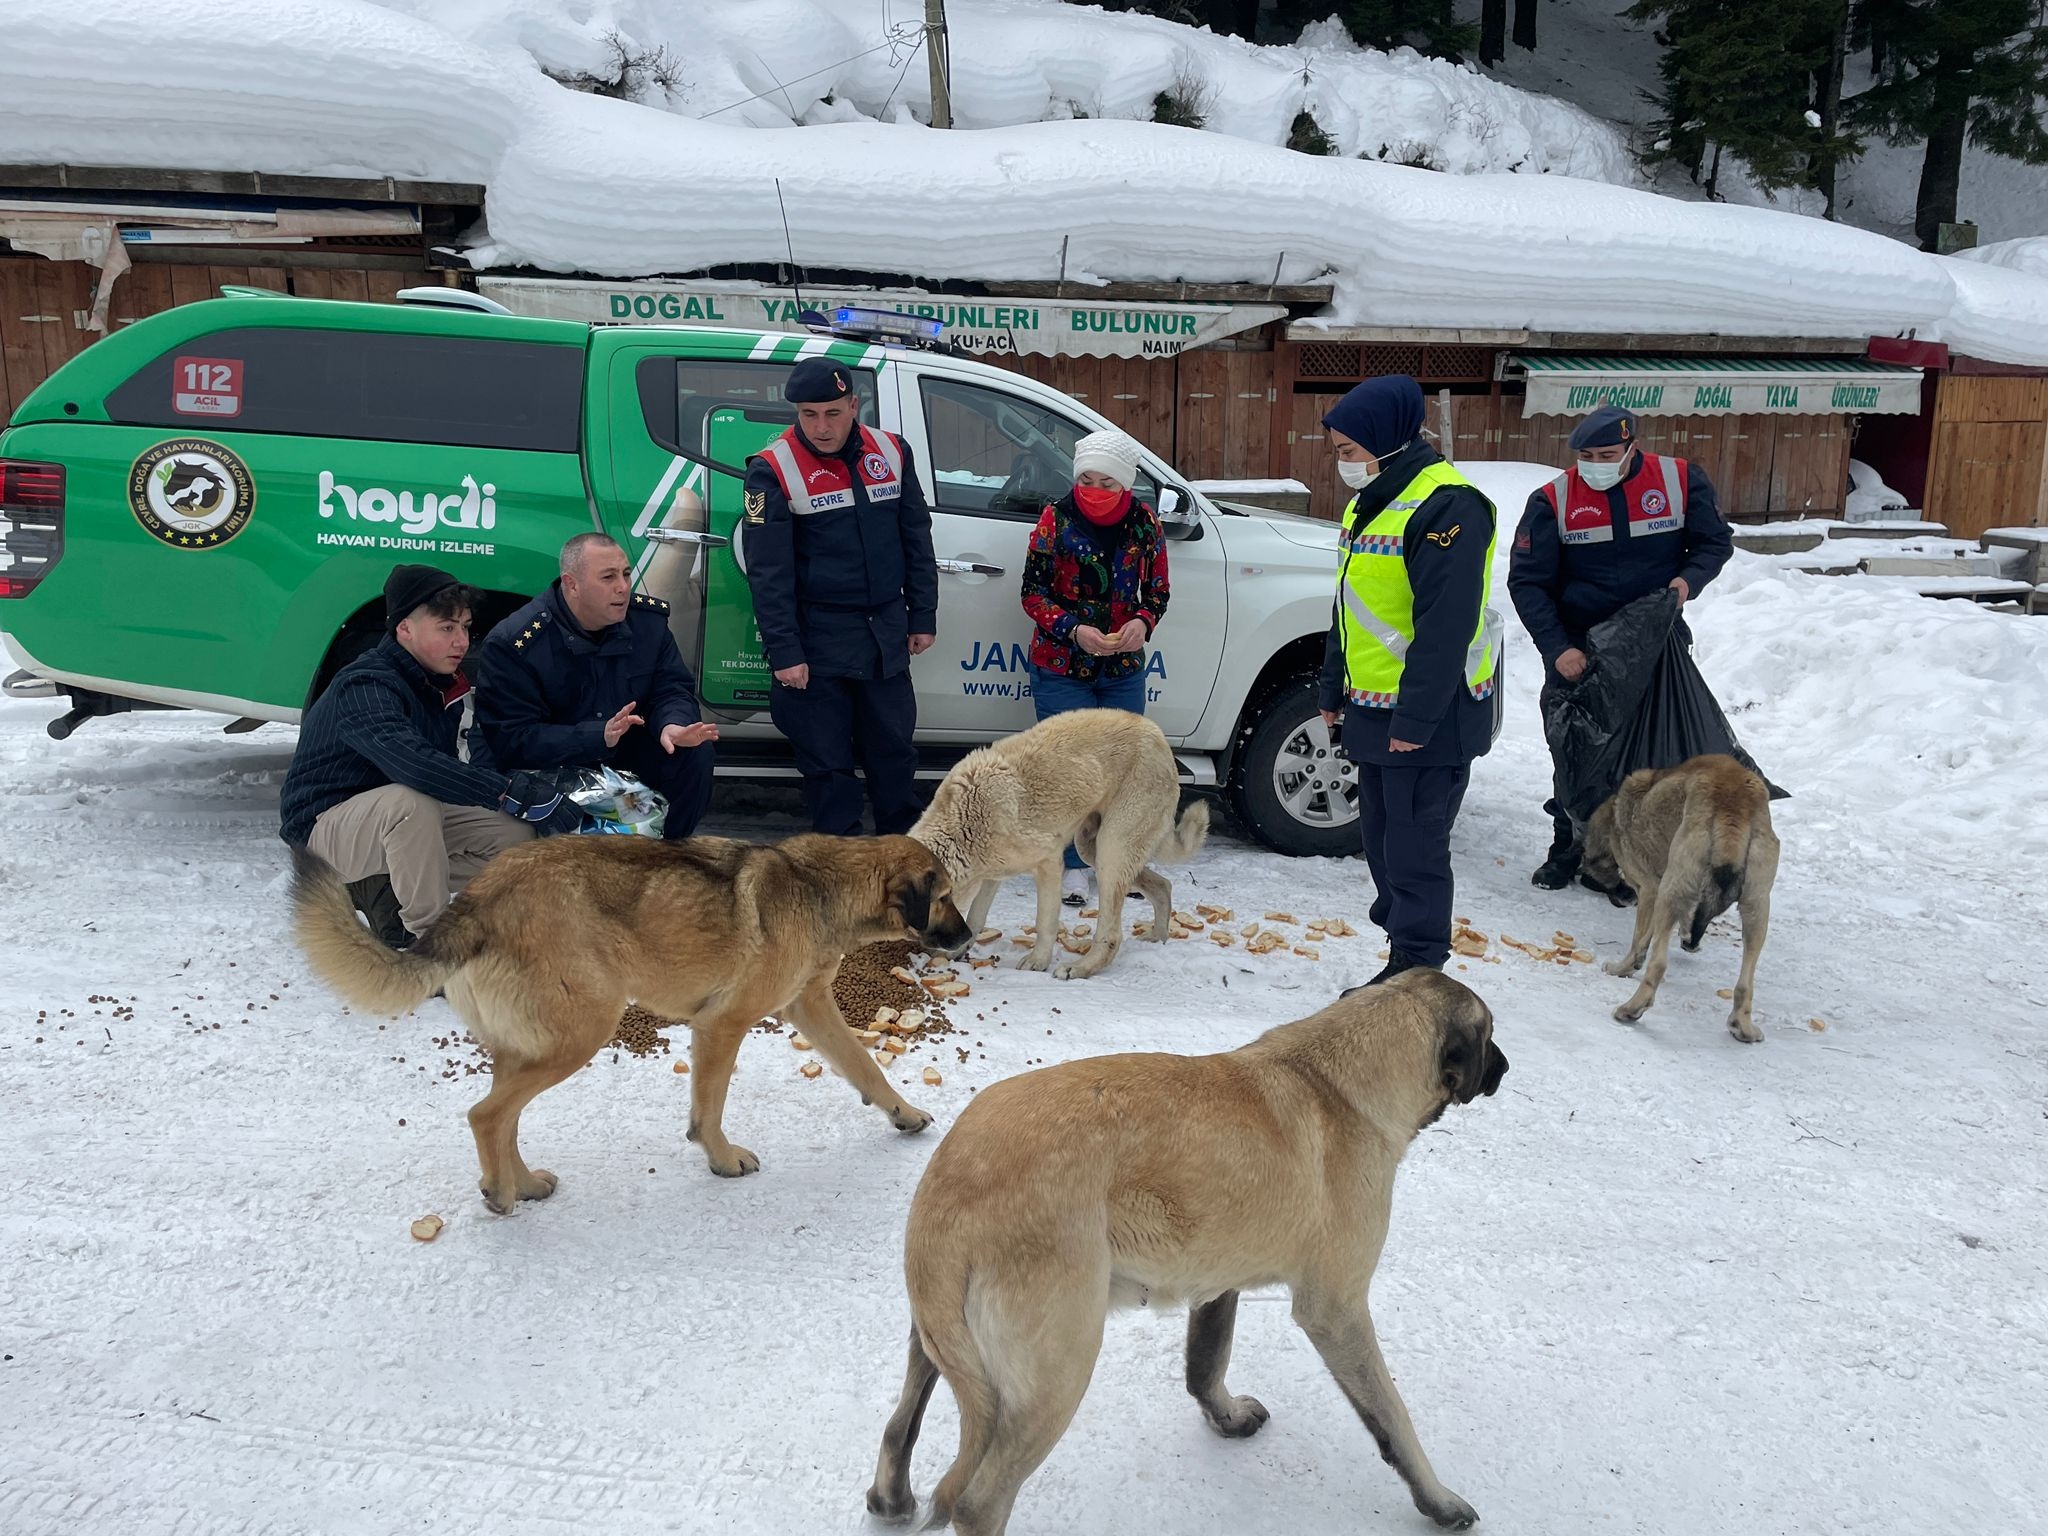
point(1409, 668)
point(588, 673)
point(837, 540)
point(1617, 525)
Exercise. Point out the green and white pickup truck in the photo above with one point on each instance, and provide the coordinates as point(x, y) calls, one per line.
point(199, 511)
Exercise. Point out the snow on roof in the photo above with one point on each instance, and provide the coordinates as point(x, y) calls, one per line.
point(577, 182)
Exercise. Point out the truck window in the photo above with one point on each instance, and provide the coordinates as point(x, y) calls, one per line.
point(679, 395)
point(460, 391)
point(995, 454)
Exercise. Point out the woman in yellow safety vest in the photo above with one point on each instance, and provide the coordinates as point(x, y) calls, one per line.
point(1408, 672)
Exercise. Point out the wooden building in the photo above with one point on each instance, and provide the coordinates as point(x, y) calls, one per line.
point(1229, 381)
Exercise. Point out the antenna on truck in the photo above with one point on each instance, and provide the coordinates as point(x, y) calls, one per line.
point(806, 316)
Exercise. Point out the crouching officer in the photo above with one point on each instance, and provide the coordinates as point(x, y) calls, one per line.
point(1617, 525)
point(838, 546)
point(587, 674)
point(1410, 661)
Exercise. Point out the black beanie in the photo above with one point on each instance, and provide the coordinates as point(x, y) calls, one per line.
point(407, 587)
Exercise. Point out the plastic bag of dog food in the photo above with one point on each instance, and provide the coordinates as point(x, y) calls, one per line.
point(614, 803)
point(1641, 703)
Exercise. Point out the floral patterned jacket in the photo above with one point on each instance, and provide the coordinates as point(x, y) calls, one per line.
point(1078, 573)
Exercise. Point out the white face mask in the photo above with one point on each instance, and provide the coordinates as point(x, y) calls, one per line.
point(1602, 477)
point(1356, 473)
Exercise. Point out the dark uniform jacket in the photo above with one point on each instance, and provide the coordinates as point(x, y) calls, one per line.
point(384, 720)
point(546, 687)
point(841, 591)
point(1448, 576)
point(1562, 590)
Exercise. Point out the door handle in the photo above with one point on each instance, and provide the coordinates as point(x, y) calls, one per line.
point(686, 536)
point(968, 568)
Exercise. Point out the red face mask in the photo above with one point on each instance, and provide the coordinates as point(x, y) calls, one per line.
point(1101, 505)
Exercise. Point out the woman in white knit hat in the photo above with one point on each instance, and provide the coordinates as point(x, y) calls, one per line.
point(1095, 586)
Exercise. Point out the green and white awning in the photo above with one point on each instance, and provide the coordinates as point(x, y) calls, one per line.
point(1717, 386)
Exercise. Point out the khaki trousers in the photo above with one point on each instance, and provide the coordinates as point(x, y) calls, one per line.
point(427, 848)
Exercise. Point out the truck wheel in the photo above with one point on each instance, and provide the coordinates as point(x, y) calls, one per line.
point(1290, 788)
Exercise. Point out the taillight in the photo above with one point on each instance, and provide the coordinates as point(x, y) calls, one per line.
point(31, 523)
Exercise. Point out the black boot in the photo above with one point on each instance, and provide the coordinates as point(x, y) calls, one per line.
point(1396, 964)
point(1621, 893)
point(374, 898)
point(1562, 862)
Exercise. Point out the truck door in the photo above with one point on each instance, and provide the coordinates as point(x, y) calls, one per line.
point(679, 423)
point(995, 454)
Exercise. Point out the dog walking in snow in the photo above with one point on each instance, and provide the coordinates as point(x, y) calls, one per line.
point(541, 954)
point(1694, 841)
point(1151, 1179)
point(1101, 779)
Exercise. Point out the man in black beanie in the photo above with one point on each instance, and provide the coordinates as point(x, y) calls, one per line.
point(838, 542)
point(377, 787)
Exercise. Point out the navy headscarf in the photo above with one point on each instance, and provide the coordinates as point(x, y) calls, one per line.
point(1382, 415)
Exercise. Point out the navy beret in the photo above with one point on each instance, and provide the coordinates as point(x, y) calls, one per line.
point(818, 379)
point(1608, 427)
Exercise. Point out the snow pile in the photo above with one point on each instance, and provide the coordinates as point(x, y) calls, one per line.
point(2028, 255)
point(579, 182)
point(1870, 498)
point(1027, 61)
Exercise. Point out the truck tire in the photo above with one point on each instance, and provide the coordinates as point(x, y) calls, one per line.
point(1289, 788)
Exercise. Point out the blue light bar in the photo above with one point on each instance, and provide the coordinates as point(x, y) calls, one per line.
point(886, 322)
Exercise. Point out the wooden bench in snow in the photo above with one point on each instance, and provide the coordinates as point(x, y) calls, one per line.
point(2028, 551)
point(1979, 589)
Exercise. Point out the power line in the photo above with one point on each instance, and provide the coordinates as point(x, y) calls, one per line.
point(897, 38)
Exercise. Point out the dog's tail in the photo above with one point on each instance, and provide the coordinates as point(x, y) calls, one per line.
point(1729, 834)
point(1187, 836)
point(940, 1307)
point(358, 965)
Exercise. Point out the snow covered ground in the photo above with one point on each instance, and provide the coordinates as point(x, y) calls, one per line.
point(1661, 1283)
point(577, 182)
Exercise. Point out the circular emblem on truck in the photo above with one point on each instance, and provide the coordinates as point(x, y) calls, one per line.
point(191, 493)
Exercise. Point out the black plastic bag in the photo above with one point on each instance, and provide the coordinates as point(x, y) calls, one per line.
point(1641, 703)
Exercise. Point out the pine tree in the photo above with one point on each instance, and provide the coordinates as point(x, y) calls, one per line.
point(1951, 72)
point(1493, 31)
point(1749, 81)
point(1525, 24)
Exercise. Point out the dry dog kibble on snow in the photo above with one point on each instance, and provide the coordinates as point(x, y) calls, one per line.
point(682, 1068)
point(427, 1228)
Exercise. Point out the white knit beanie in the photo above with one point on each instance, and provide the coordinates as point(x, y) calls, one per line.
point(1110, 453)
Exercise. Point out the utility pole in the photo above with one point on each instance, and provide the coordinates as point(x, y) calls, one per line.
point(939, 56)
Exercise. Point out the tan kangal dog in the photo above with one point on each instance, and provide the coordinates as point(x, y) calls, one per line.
point(1694, 841)
point(1156, 1179)
point(544, 950)
point(1101, 779)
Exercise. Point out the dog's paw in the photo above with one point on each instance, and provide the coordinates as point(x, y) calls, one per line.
point(1245, 1417)
point(1630, 1012)
point(537, 1185)
point(1744, 1030)
point(735, 1162)
point(1450, 1512)
point(909, 1118)
point(1622, 967)
point(1035, 961)
point(893, 1508)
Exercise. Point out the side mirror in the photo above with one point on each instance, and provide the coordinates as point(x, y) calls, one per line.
point(1179, 517)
